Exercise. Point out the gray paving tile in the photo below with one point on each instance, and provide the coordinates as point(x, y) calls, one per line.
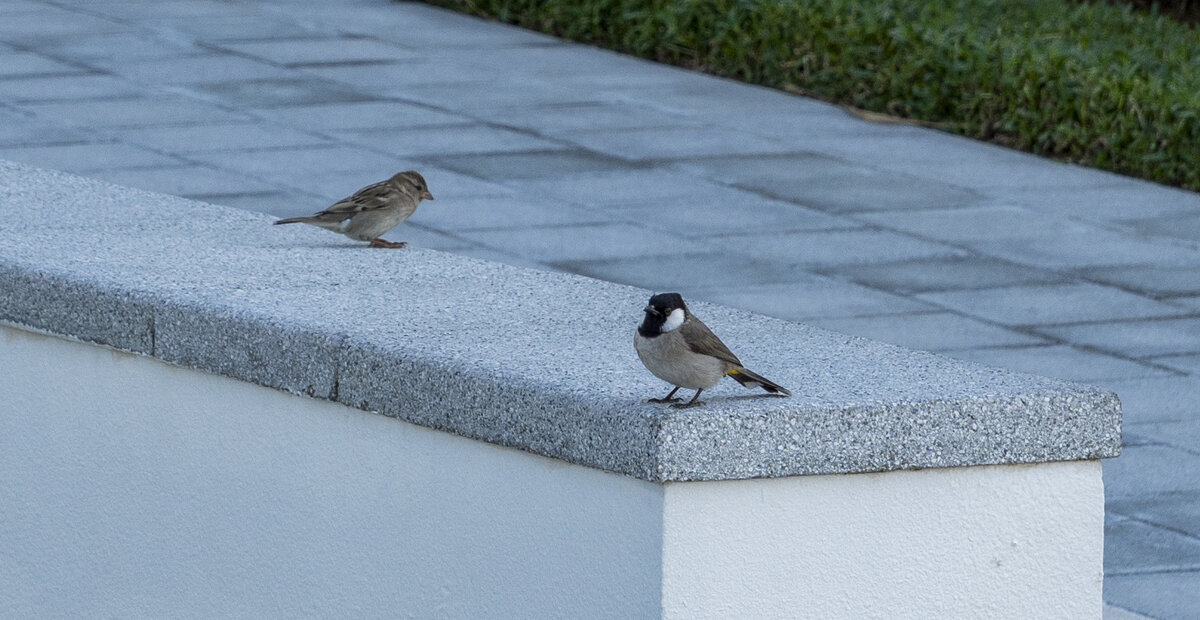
point(220, 137)
point(1132, 547)
point(442, 28)
point(278, 203)
point(195, 69)
point(19, 130)
point(492, 212)
point(1062, 362)
point(1050, 304)
point(1188, 363)
point(1089, 247)
point(1149, 471)
point(1175, 511)
point(1181, 225)
point(560, 244)
point(651, 143)
point(763, 169)
point(1165, 399)
point(1164, 596)
point(593, 115)
point(687, 273)
point(868, 191)
point(48, 22)
point(965, 225)
point(296, 164)
point(184, 181)
point(841, 247)
point(83, 158)
point(138, 111)
point(508, 167)
point(452, 187)
point(244, 27)
point(1134, 338)
point(1116, 613)
point(28, 64)
point(456, 140)
point(363, 115)
point(813, 298)
point(942, 274)
point(64, 88)
point(938, 331)
point(1118, 201)
point(269, 93)
point(106, 48)
point(636, 189)
point(169, 8)
point(1152, 280)
point(732, 219)
point(321, 50)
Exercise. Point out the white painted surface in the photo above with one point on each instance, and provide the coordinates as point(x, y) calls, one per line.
point(1014, 541)
point(130, 488)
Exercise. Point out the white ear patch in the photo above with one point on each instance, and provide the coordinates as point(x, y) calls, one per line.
point(674, 320)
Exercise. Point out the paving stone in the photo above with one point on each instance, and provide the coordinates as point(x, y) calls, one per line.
point(1183, 435)
point(442, 29)
point(138, 112)
point(1182, 225)
point(80, 158)
point(865, 191)
point(64, 88)
point(245, 27)
point(1132, 547)
point(220, 137)
point(321, 50)
point(19, 130)
point(501, 212)
point(1119, 201)
point(813, 298)
point(1165, 399)
point(753, 171)
point(1050, 304)
point(295, 163)
point(688, 273)
point(1089, 247)
point(942, 274)
point(732, 221)
point(269, 93)
point(463, 97)
point(364, 115)
point(1175, 511)
point(1151, 280)
point(519, 166)
point(197, 69)
point(27, 64)
point(650, 143)
point(277, 203)
point(171, 8)
point(1116, 613)
point(1062, 362)
point(1147, 338)
point(973, 224)
point(1148, 471)
point(456, 140)
point(1188, 363)
point(839, 247)
point(184, 180)
point(626, 187)
point(107, 48)
point(937, 331)
point(1165, 596)
point(49, 22)
point(593, 115)
point(560, 244)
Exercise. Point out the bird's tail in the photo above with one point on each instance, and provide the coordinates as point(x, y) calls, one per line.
point(293, 220)
point(751, 379)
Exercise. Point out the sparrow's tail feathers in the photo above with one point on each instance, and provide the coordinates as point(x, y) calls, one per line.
point(752, 379)
point(293, 220)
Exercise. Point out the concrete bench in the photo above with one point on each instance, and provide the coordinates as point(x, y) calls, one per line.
point(516, 469)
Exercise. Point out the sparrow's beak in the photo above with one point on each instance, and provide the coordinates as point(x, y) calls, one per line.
point(426, 195)
point(651, 310)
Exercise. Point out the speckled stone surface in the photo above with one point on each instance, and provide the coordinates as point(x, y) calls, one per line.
point(534, 360)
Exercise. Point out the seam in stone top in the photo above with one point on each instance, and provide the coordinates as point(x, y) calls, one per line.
point(539, 361)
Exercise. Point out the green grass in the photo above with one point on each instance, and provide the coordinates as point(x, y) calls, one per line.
point(1094, 84)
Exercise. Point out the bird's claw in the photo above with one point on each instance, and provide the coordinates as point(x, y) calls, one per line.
point(687, 405)
point(664, 400)
point(383, 243)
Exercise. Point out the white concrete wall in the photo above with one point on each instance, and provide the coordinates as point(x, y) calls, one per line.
point(130, 488)
point(1013, 541)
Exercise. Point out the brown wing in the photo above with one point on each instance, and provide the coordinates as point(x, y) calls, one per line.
point(700, 339)
point(369, 198)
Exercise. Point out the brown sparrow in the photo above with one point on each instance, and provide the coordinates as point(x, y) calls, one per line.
point(373, 210)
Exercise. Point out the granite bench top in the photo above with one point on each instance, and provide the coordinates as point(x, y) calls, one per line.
point(535, 360)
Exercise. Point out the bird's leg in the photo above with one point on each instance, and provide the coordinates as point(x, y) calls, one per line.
point(691, 403)
point(383, 243)
point(666, 399)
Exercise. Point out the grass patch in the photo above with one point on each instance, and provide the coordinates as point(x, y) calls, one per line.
point(1096, 84)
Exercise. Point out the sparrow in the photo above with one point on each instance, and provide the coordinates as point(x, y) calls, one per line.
point(373, 210)
point(680, 349)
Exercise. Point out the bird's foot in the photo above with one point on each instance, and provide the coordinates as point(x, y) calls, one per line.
point(383, 243)
point(687, 405)
point(664, 400)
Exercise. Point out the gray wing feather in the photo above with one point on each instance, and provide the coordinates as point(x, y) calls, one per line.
point(700, 339)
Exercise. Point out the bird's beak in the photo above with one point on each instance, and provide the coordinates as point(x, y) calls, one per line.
point(651, 310)
point(426, 195)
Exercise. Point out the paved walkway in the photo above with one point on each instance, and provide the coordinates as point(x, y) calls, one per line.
point(560, 156)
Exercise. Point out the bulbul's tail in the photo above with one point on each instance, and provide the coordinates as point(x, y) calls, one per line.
point(293, 220)
point(751, 379)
